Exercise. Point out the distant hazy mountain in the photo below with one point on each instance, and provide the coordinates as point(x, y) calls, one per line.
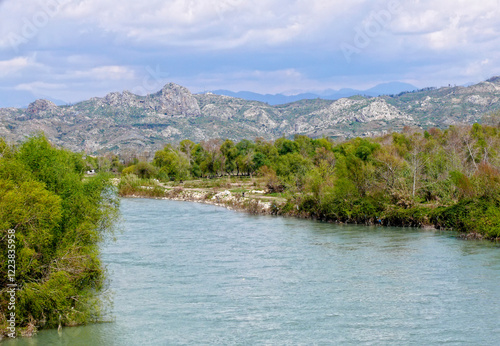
point(391, 88)
point(272, 99)
point(22, 98)
point(124, 121)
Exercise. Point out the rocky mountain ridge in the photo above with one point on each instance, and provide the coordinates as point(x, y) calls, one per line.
point(129, 122)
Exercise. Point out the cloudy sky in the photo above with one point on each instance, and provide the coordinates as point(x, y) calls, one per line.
point(74, 49)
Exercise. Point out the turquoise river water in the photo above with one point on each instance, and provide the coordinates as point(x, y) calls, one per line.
point(190, 274)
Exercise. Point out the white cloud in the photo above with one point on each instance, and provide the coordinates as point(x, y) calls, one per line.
point(230, 24)
point(13, 65)
point(209, 24)
point(38, 87)
point(448, 24)
point(113, 72)
point(427, 21)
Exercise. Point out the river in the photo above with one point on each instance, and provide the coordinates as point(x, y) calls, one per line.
point(186, 273)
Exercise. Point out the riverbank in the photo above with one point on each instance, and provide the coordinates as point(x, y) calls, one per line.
point(231, 195)
point(251, 196)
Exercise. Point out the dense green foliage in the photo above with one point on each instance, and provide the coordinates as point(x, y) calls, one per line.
point(59, 218)
point(449, 179)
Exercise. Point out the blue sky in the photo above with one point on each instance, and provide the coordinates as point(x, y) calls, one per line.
point(75, 49)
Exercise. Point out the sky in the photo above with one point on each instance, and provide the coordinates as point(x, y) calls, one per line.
point(71, 50)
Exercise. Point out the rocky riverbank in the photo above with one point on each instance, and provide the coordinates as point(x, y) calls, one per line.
point(223, 198)
point(246, 197)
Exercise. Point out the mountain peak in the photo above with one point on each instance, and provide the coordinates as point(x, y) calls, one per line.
point(172, 86)
point(176, 100)
point(42, 108)
point(494, 79)
point(41, 105)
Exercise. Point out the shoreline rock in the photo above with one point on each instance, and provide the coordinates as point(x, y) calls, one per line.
point(224, 199)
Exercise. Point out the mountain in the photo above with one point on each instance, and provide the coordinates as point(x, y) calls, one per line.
point(391, 88)
point(329, 94)
point(124, 121)
point(272, 99)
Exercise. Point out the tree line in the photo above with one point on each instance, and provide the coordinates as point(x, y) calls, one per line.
point(446, 178)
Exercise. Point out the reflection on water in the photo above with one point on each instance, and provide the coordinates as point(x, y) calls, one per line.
point(185, 273)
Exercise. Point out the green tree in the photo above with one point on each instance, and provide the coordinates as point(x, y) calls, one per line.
point(173, 164)
point(59, 218)
point(230, 152)
point(286, 146)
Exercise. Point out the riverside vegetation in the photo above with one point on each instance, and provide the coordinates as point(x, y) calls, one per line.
point(59, 218)
point(444, 179)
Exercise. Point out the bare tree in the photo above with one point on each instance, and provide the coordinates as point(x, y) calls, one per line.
point(416, 159)
point(215, 161)
point(390, 165)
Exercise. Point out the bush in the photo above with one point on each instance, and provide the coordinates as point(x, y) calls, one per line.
point(143, 170)
point(412, 217)
point(132, 185)
point(273, 183)
point(481, 216)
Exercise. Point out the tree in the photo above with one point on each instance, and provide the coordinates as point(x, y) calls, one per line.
point(389, 167)
point(259, 160)
point(59, 218)
point(172, 164)
point(416, 159)
point(354, 162)
point(245, 146)
point(305, 145)
point(198, 155)
point(230, 152)
point(214, 160)
point(186, 146)
point(286, 146)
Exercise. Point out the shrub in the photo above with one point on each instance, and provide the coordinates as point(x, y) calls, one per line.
point(481, 216)
point(273, 183)
point(411, 217)
point(132, 185)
